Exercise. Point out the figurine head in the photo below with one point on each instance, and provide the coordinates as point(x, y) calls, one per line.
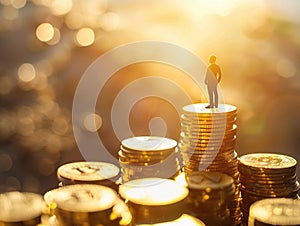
point(212, 59)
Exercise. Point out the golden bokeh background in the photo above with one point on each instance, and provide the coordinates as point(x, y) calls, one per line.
point(46, 45)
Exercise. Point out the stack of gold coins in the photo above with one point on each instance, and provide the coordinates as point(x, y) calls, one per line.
point(276, 211)
point(20, 208)
point(208, 138)
point(266, 175)
point(148, 156)
point(154, 200)
point(210, 197)
point(101, 173)
point(87, 204)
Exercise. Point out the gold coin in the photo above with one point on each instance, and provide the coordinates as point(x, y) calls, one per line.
point(265, 179)
point(209, 141)
point(20, 206)
point(82, 198)
point(208, 127)
point(268, 193)
point(146, 161)
point(216, 114)
point(274, 187)
point(197, 133)
point(231, 172)
point(142, 156)
point(268, 173)
point(224, 148)
point(212, 160)
point(213, 138)
point(200, 108)
point(268, 161)
point(209, 145)
point(133, 163)
point(149, 143)
point(207, 120)
point(211, 180)
point(204, 157)
point(277, 211)
point(207, 166)
point(145, 191)
point(148, 152)
point(226, 154)
point(88, 171)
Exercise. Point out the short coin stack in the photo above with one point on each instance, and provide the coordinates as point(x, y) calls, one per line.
point(101, 173)
point(148, 156)
point(20, 208)
point(210, 197)
point(154, 200)
point(208, 138)
point(266, 175)
point(87, 204)
point(276, 211)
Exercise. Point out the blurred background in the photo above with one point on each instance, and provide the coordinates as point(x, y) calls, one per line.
point(46, 45)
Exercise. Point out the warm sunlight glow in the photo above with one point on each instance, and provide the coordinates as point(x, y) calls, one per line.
point(59, 7)
point(109, 21)
point(285, 68)
point(199, 8)
point(221, 7)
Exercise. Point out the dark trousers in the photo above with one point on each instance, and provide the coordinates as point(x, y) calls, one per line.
point(213, 96)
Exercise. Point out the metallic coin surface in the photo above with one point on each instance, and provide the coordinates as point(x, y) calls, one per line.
point(148, 156)
point(153, 191)
point(88, 171)
point(82, 198)
point(268, 161)
point(200, 108)
point(207, 145)
point(211, 180)
point(149, 143)
point(266, 175)
point(20, 206)
point(277, 211)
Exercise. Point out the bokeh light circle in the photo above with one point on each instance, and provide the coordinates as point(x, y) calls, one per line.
point(85, 36)
point(45, 32)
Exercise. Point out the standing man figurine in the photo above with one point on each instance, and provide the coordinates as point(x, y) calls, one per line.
point(212, 78)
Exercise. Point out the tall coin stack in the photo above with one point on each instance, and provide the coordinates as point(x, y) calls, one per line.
point(148, 156)
point(210, 197)
point(276, 211)
point(208, 138)
point(266, 175)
